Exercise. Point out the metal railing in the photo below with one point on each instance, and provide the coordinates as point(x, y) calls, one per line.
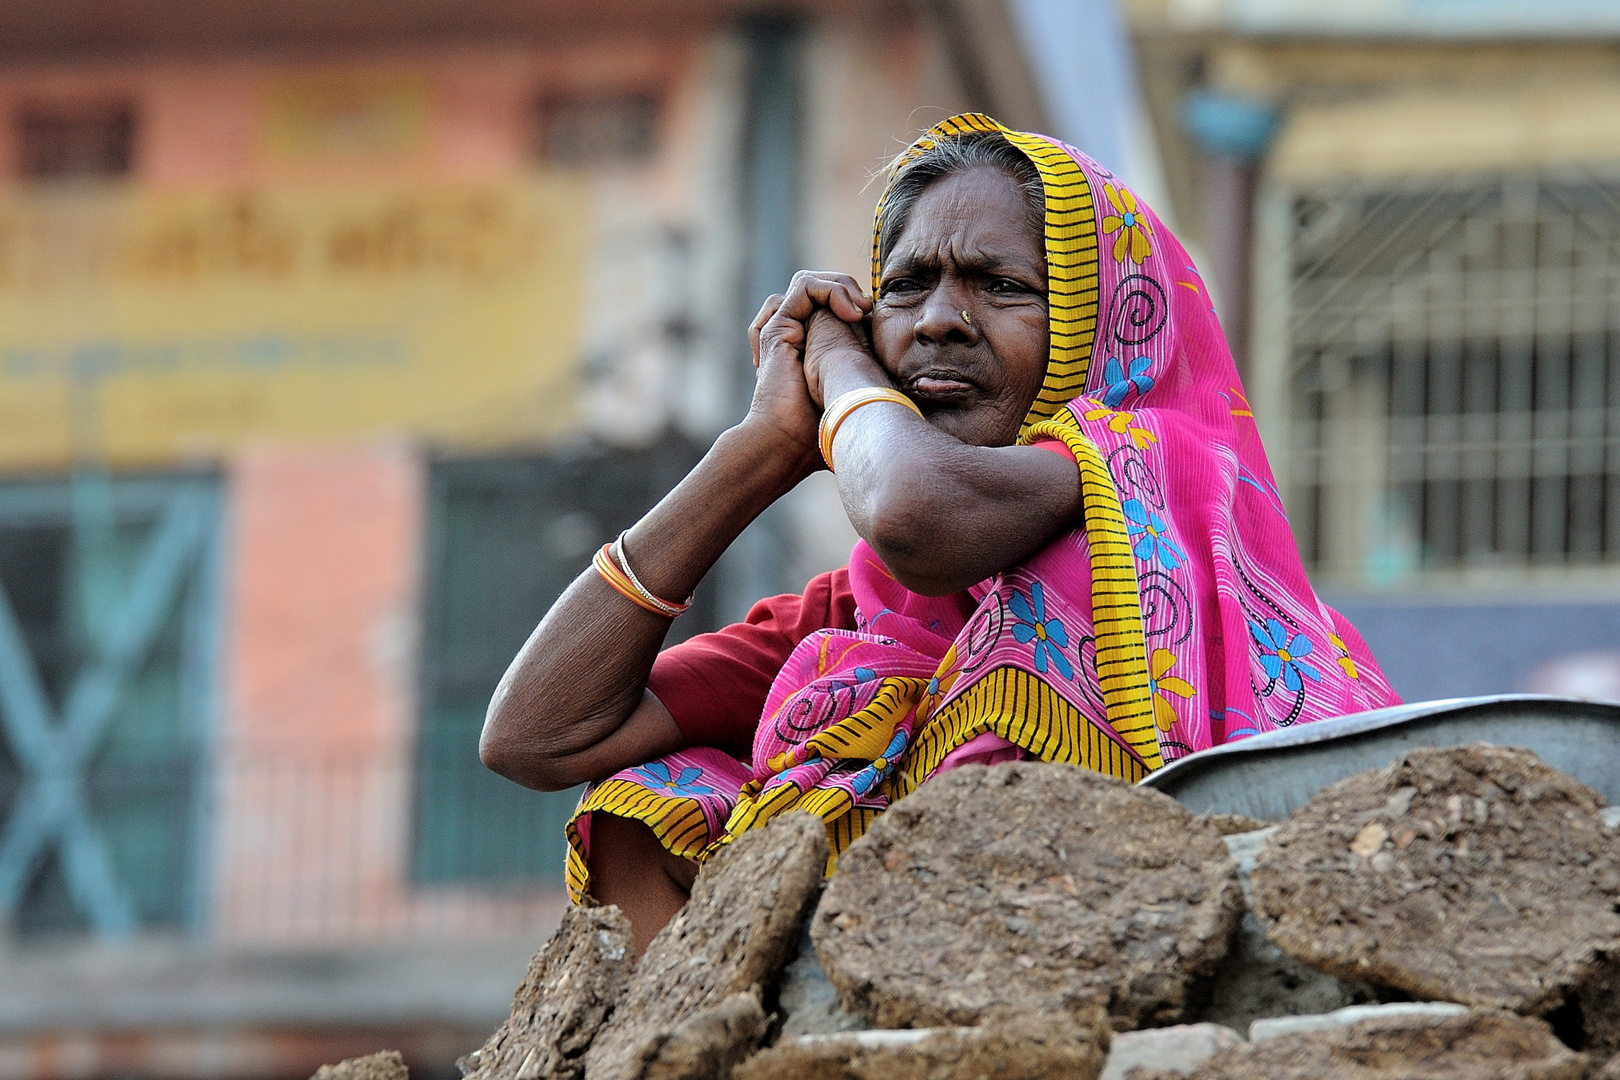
point(308, 846)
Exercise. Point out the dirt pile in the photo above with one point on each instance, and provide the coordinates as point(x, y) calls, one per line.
point(1257, 979)
point(383, 1065)
point(1478, 1045)
point(1011, 1048)
point(693, 1007)
point(571, 987)
point(1037, 921)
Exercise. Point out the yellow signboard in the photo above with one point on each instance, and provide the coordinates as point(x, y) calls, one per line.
point(145, 327)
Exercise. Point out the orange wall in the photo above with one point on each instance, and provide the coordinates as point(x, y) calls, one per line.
point(313, 829)
point(312, 836)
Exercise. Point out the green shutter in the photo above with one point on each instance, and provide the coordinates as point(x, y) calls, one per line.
point(505, 537)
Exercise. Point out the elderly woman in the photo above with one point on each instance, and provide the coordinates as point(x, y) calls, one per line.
point(1072, 547)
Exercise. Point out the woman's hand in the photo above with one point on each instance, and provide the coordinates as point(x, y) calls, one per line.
point(837, 352)
point(782, 412)
point(821, 319)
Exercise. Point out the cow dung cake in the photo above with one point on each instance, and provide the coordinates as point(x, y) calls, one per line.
point(1473, 874)
point(1036, 887)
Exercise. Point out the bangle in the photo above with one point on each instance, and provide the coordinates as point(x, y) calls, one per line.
point(610, 562)
point(623, 559)
point(845, 404)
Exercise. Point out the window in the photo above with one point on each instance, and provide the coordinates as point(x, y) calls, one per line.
point(597, 129)
point(110, 583)
point(506, 536)
point(1450, 378)
point(73, 144)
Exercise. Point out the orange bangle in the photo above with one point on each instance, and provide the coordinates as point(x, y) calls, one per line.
point(611, 574)
point(844, 404)
point(607, 566)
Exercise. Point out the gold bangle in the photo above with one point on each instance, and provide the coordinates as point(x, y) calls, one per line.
point(844, 404)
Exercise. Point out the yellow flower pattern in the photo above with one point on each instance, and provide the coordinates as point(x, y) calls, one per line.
point(1345, 661)
point(1120, 423)
point(939, 687)
point(1129, 222)
point(1162, 682)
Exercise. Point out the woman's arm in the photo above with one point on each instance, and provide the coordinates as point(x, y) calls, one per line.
point(942, 513)
point(573, 705)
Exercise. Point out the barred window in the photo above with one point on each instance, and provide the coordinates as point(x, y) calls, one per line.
point(107, 609)
point(1449, 386)
point(75, 143)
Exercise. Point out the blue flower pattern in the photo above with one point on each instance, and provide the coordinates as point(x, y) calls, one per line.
point(863, 781)
point(1122, 381)
point(1049, 635)
point(1150, 535)
point(1282, 657)
point(657, 775)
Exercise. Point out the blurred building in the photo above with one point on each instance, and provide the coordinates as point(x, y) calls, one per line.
point(1411, 213)
point(334, 337)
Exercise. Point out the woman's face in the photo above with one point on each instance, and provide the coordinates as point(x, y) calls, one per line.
point(967, 247)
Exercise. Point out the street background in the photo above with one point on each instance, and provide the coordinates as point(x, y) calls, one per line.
point(335, 336)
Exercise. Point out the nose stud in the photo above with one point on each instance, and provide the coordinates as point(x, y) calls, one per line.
point(967, 318)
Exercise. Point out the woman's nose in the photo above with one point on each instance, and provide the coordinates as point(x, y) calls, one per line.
point(947, 316)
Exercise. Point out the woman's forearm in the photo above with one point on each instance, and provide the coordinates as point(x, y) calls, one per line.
point(559, 715)
point(943, 515)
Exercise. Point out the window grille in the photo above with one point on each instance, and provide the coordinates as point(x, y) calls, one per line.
point(1444, 366)
point(107, 608)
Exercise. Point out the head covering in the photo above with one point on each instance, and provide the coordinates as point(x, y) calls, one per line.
point(1072, 263)
point(1177, 616)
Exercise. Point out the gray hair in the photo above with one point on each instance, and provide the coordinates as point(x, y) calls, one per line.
point(953, 155)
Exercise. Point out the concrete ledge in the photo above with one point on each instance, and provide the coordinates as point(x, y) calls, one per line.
point(1412, 1013)
point(1173, 1049)
point(170, 984)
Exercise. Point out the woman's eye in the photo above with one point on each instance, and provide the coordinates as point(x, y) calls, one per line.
point(1007, 286)
point(901, 285)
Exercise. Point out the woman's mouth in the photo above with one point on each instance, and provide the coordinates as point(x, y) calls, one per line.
point(940, 388)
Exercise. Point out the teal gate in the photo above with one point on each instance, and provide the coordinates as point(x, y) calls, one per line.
point(107, 648)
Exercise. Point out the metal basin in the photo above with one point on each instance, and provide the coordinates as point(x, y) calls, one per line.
point(1270, 776)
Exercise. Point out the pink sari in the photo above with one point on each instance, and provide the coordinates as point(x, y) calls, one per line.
point(1175, 617)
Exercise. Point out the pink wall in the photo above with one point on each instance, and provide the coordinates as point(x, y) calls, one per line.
point(205, 121)
point(315, 781)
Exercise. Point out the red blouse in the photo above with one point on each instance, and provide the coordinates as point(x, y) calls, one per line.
point(714, 685)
